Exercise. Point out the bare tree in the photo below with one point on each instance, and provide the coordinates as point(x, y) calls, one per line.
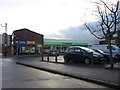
point(106, 26)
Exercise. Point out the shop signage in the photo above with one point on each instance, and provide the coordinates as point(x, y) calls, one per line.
point(64, 43)
point(20, 42)
point(30, 42)
point(24, 42)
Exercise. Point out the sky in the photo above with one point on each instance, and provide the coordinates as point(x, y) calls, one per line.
point(55, 19)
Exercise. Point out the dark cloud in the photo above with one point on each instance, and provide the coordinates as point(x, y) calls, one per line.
point(73, 33)
point(77, 33)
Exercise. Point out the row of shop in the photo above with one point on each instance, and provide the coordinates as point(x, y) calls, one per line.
point(27, 47)
point(30, 47)
point(25, 41)
point(28, 42)
point(61, 45)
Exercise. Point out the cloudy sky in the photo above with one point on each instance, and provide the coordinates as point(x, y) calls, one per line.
point(53, 18)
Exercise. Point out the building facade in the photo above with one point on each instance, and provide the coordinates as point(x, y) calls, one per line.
point(62, 44)
point(25, 41)
point(6, 42)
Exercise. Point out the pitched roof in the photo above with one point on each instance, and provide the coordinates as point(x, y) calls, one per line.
point(27, 30)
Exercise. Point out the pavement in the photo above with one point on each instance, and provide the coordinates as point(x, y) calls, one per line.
point(91, 73)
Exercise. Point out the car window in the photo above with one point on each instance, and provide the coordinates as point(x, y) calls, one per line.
point(100, 51)
point(66, 50)
point(113, 48)
point(83, 51)
point(71, 50)
point(77, 50)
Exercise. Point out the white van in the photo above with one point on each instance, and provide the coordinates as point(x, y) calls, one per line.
point(115, 49)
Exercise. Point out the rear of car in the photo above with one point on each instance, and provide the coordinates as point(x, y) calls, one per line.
point(105, 48)
point(106, 55)
point(82, 54)
point(53, 52)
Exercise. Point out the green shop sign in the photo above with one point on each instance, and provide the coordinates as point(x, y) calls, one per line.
point(64, 43)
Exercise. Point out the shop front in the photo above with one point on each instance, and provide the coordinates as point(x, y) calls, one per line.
point(27, 42)
point(25, 47)
point(61, 46)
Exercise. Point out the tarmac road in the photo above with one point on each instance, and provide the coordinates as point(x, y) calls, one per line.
point(17, 76)
point(99, 74)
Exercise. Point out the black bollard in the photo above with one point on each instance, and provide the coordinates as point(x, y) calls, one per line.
point(92, 60)
point(48, 57)
point(56, 58)
point(42, 55)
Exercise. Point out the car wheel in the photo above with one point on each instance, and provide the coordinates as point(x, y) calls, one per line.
point(87, 61)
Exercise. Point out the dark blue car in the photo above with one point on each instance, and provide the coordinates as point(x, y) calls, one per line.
point(53, 52)
point(82, 54)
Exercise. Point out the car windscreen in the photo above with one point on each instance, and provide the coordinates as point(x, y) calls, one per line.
point(100, 51)
point(89, 50)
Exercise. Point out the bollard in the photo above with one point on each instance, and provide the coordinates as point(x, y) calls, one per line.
point(42, 55)
point(56, 58)
point(48, 57)
point(92, 60)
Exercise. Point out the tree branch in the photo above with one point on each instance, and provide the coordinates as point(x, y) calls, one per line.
point(92, 32)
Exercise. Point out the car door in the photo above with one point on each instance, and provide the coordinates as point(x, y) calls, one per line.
point(78, 54)
point(84, 54)
point(70, 55)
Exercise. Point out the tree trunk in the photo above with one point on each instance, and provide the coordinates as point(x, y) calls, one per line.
point(110, 51)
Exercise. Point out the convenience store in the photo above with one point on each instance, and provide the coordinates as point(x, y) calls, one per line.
point(26, 41)
point(61, 45)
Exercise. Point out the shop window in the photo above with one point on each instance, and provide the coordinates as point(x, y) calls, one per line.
point(27, 50)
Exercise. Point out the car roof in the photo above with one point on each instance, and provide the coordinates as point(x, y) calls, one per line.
point(79, 47)
point(75, 47)
point(84, 48)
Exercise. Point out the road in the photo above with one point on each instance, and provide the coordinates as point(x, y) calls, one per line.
point(17, 76)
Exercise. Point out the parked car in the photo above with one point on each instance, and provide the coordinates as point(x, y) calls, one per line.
point(118, 58)
point(53, 52)
point(82, 54)
point(106, 55)
point(105, 48)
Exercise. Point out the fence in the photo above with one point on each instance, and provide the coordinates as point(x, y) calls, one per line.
point(55, 58)
point(60, 59)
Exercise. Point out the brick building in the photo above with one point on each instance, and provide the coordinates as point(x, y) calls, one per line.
point(25, 41)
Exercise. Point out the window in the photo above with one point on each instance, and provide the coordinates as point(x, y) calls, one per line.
point(71, 50)
point(113, 41)
point(83, 51)
point(27, 49)
point(115, 35)
point(77, 50)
